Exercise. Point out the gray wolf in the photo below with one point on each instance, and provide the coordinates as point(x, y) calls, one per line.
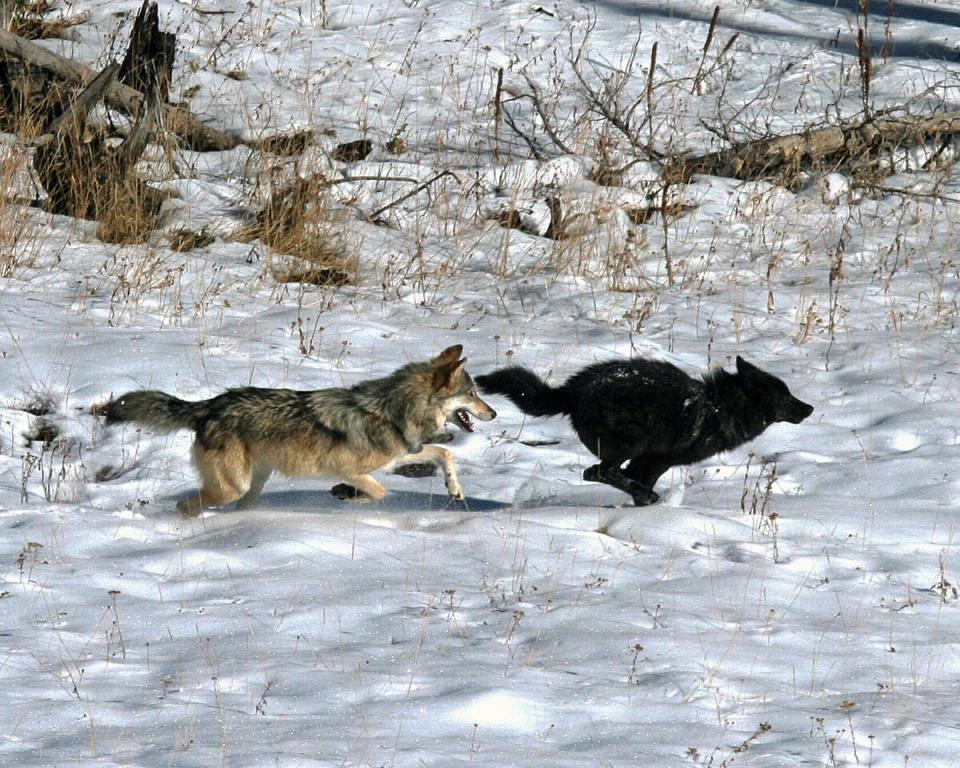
point(244, 434)
point(652, 415)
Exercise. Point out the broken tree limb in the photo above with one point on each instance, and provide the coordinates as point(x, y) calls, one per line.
point(830, 145)
point(134, 145)
point(73, 115)
point(191, 131)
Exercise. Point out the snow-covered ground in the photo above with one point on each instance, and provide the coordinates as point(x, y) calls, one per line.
point(789, 603)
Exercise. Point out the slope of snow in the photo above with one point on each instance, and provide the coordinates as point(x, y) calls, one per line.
point(788, 603)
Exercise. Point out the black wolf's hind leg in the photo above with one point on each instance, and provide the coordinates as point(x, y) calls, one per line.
point(610, 474)
point(592, 474)
point(645, 471)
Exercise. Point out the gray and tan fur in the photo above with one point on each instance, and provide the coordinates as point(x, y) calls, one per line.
point(244, 434)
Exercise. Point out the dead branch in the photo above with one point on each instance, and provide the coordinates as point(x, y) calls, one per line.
point(508, 118)
point(194, 134)
point(416, 190)
point(830, 145)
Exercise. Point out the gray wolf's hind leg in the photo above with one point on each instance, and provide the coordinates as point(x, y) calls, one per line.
point(225, 477)
point(261, 473)
point(359, 488)
point(610, 474)
point(346, 492)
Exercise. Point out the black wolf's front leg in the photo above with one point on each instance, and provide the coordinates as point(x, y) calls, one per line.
point(610, 474)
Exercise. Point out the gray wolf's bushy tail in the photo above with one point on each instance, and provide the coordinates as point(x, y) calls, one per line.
point(527, 391)
point(154, 409)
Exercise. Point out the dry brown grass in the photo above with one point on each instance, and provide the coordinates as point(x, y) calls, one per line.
point(299, 223)
point(18, 245)
point(28, 19)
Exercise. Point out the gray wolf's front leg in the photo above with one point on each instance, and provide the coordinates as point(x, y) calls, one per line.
point(423, 470)
point(442, 459)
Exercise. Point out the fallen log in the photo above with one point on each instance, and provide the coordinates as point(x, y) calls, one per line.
point(833, 146)
point(182, 123)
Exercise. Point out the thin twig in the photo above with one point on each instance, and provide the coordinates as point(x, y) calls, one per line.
point(537, 154)
point(411, 193)
point(538, 105)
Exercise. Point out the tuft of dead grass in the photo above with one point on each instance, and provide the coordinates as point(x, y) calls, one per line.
point(299, 223)
point(28, 19)
point(18, 245)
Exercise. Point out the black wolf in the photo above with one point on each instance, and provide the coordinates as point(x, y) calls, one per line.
point(652, 415)
point(244, 434)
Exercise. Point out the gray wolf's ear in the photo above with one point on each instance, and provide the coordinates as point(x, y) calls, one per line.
point(445, 375)
point(743, 366)
point(449, 355)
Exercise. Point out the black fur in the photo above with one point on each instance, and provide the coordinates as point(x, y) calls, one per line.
point(651, 414)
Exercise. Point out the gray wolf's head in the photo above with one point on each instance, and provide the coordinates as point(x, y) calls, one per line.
point(458, 398)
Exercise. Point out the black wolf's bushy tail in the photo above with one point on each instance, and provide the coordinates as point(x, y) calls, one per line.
point(527, 391)
point(154, 409)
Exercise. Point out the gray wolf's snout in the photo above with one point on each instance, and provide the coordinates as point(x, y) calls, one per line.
point(478, 409)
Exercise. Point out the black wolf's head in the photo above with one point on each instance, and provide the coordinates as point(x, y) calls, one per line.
point(458, 394)
point(770, 395)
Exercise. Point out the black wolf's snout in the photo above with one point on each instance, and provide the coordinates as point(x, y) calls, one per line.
point(797, 411)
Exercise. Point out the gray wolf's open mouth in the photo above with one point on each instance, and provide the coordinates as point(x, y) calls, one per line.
point(462, 419)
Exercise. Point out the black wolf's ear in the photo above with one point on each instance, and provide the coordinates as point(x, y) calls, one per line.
point(744, 367)
point(449, 355)
point(444, 375)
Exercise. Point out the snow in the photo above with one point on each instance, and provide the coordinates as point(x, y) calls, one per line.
point(789, 603)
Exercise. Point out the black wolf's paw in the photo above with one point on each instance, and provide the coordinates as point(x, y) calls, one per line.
point(592, 474)
point(644, 497)
point(346, 492)
point(415, 470)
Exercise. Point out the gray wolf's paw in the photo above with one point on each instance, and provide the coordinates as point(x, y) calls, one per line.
point(189, 507)
point(440, 437)
point(415, 470)
point(346, 492)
